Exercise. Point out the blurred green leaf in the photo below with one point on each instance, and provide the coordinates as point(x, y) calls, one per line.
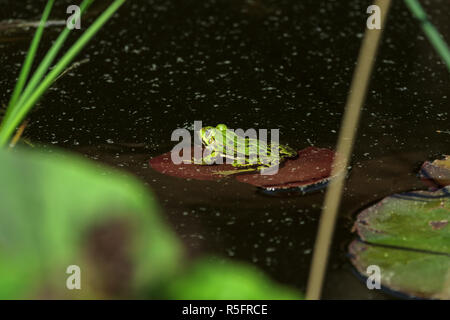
point(208, 279)
point(59, 210)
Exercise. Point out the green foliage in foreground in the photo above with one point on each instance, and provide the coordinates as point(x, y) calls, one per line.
point(54, 211)
point(210, 279)
point(59, 210)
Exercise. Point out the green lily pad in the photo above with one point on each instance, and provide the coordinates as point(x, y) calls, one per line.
point(408, 236)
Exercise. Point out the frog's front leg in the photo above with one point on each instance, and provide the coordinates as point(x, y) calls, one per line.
point(210, 158)
point(205, 160)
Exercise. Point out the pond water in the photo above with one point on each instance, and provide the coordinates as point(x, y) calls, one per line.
point(159, 65)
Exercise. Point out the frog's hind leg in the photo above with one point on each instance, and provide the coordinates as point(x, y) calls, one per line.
point(231, 172)
point(246, 167)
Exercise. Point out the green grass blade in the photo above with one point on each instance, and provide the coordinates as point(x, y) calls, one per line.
point(50, 56)
point(43, 66)
point(9, 126)
point(430, 31)
point(31, 54)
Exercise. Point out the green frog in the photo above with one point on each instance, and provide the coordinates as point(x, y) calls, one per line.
point(245, 152)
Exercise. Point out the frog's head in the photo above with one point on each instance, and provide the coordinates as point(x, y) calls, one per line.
point(214, 137)
point(207, 135)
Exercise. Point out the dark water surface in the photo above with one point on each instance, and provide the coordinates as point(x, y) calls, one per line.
point(159, 65)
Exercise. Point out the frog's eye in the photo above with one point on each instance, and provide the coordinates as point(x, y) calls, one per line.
point(221, 127)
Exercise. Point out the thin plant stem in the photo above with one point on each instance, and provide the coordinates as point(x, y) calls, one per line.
point(360, 83)
point(18, 134)
point(430, 31)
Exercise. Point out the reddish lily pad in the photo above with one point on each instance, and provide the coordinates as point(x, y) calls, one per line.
point(311, 168)
point(436, 174)
point(164, 164)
